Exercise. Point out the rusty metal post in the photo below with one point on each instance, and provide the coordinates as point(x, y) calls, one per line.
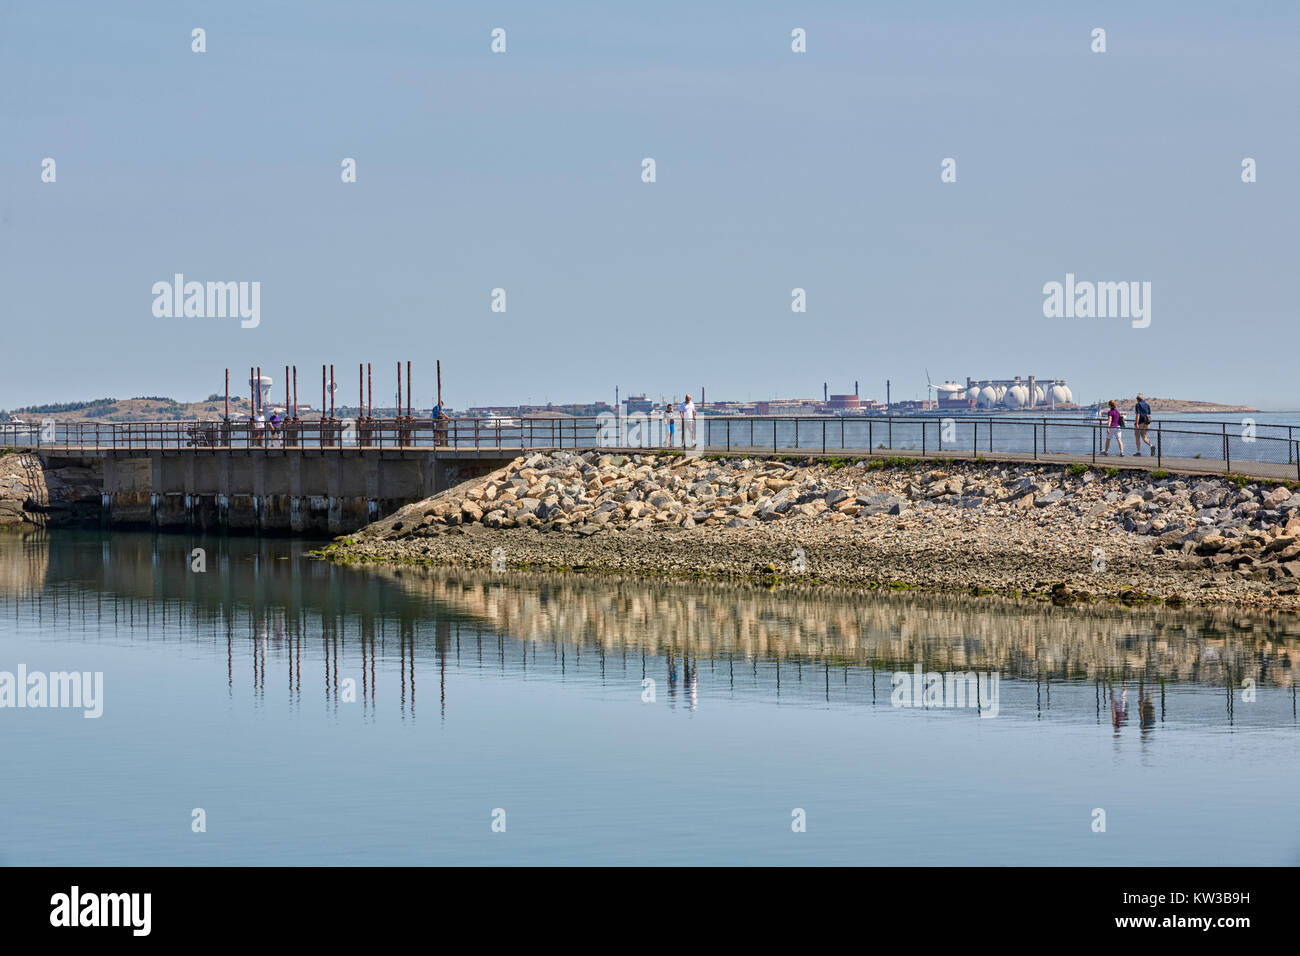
point(408, 388)
point(370, 392)
point(397, 412)
point(295, 391)
point(333, 386)
point(227, 394)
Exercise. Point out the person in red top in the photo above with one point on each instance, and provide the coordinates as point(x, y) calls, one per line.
point(1114, 428)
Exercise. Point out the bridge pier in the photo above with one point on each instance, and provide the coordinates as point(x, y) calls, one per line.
point(299, 491)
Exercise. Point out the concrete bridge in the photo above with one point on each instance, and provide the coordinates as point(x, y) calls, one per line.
point(333, 477)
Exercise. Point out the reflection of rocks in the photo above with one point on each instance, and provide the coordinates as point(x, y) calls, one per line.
point(1011, 528)
point(893, 631)
point(36, 494)
point(24, 564)
point(266, 590)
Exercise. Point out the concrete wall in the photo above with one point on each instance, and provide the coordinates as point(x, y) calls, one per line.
point(307, 492)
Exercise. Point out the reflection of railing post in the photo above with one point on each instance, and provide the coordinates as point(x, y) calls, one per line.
point(1227, 452)
point(1160, 444)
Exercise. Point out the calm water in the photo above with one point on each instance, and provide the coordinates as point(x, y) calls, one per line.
point(228, 690)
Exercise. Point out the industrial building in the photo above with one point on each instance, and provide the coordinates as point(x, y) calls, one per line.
point(1016, 393)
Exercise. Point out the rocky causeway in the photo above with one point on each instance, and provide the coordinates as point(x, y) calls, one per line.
point(1062, 533)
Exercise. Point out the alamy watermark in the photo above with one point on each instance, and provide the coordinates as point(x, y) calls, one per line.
point(1098, 300)
point(179, 299)
point(653, 430)
point(951, 689)
point(63, 689)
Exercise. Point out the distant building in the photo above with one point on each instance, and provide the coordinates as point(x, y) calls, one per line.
point(639, 403)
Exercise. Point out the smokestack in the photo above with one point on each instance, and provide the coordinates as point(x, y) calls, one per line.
point(855, 387)
point(887, 402)
point(826, 392)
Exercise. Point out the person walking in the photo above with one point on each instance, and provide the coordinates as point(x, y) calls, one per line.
point(688, 423)
point(1141, 425)
point(1114, 428)
point(669, 411)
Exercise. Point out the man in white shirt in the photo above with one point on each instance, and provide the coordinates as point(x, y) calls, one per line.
point(688, 423)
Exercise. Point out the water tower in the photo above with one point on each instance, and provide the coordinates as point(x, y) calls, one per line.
point(263, 385)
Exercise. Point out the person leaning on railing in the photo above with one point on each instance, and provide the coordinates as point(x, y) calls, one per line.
point(439, 425)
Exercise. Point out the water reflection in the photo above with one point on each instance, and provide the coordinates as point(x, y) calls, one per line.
point(280, 619)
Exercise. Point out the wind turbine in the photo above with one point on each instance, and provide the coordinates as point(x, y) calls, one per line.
point(929, 387)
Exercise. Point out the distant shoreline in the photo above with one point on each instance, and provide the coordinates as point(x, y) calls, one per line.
point(164, 410)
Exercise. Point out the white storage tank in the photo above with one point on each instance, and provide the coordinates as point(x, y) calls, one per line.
point(1061, 394)
point(988, 397)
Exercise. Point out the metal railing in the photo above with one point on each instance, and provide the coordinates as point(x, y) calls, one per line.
point(1216, 443)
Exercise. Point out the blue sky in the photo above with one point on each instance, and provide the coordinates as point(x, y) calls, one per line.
point(775, 170)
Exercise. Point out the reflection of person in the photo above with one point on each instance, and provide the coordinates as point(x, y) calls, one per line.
point(1119, 707)
point(1146, 712)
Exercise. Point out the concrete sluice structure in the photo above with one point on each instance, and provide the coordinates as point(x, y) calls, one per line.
point(299, 491)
